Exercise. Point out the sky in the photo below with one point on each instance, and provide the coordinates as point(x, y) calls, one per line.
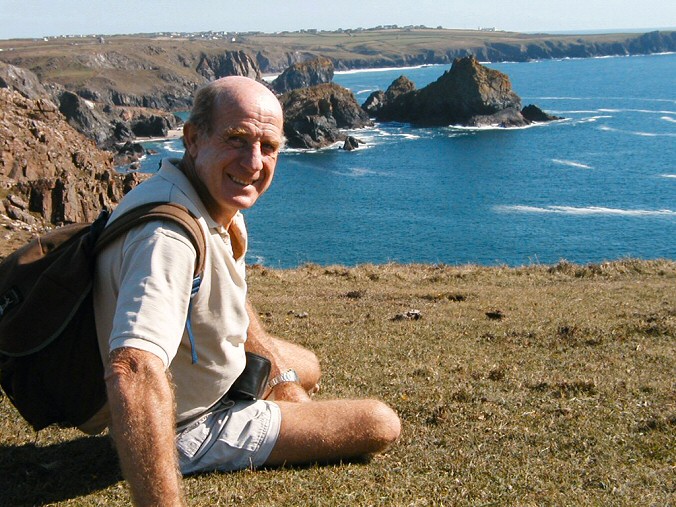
point(39, 18)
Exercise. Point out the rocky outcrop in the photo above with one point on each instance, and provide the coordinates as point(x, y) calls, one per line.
point(314, 116)
point(21, 80)
point(86, 118)
point(377, 100)
point(468, 94)
point(52, 173)
point(303, 75)
point(230, 63)
point(533, 113)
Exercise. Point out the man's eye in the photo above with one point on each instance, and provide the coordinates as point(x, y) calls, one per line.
point(268, 148)
point(236, 142)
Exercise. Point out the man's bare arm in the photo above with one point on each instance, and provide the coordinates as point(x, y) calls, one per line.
point(283, 355)
point(143, 427)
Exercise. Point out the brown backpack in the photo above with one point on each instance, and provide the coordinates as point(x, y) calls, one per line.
point(50, 367)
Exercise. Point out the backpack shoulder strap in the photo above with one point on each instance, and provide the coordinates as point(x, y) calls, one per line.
point(158, 211)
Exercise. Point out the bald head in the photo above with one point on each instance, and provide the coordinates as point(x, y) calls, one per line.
point(232, 90)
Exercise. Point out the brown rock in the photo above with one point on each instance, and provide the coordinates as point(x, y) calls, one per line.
point(44, 162)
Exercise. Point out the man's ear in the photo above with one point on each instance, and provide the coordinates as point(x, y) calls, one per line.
point(190, 135)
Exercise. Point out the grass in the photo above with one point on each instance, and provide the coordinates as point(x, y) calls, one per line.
point(541, 385)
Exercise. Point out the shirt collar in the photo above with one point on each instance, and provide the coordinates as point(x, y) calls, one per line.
point(169, 171)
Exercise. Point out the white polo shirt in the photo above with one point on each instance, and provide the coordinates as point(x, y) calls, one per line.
point(142, 292)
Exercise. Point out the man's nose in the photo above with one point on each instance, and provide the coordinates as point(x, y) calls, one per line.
point(252, 158)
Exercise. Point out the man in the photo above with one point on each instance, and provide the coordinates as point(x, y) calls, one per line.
point(167, 413)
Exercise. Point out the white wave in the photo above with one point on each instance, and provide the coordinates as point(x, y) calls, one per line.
point(172, 148)
point(590, 210)
point(592, 119)
point(358, 172)
point(645, 111)
point(495, 126)
point(387, 69)
point(581, 111)
point(571, 163)
point(669, 119)
point(637, 133)
point(363, 92)
point(668, 176)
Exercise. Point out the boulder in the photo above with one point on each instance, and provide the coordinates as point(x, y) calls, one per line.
point(351, 143)
point(314, 116)
point(304, 74)
point(468, 94)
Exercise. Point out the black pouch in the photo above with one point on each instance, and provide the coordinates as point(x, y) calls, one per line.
point(250, 385)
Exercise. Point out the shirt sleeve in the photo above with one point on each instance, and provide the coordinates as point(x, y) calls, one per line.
point(155, 281)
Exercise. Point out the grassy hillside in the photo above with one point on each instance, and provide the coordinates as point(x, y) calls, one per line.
point(542, 385)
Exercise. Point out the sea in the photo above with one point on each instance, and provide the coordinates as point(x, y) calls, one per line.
point(599, 185)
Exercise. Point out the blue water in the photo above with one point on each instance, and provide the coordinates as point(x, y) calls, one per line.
point(600, 185)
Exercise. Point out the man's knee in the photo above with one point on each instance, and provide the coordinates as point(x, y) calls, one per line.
point(308, 369)
point(383, 424)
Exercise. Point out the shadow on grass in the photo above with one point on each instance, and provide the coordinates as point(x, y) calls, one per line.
point(31, 475)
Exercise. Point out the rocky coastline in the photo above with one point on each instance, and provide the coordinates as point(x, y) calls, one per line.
point(61, 140)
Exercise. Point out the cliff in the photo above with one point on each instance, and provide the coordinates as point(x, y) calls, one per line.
point(163, 71)
point(49, 172)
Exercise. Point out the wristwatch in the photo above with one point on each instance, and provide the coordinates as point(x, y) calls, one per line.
point(289, 375)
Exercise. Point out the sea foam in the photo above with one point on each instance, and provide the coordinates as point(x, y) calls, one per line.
point(589, 210)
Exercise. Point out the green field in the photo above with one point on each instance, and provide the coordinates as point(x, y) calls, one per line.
point(541, 385)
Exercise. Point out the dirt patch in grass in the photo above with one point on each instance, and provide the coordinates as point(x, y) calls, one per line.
point(566, 399)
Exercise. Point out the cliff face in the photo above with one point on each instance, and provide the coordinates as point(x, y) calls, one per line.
point(50, 173)
point(303, 75)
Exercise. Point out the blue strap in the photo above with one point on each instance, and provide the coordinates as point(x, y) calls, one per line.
point(196, 282)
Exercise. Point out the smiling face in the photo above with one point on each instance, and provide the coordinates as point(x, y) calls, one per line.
point(232, 164)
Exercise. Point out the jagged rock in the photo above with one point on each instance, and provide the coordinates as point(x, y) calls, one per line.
point(351, 143)
point(21, 80)
point(303, 75)
point(153, 125)
point(377, 100)
point(230, 63)
point(17, 201)
point(83, 116)
point(19, 214)
point(129, 153)
point(534, 114)
point(468, 94)
point(313, 116)
point(46, 163)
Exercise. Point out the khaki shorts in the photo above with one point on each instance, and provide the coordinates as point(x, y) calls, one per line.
point(233, 435)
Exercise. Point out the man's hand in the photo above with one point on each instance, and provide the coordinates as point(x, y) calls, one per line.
point(288, 391)
point(143, 425)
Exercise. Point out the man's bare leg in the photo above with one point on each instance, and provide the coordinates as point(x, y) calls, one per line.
point(323, 431)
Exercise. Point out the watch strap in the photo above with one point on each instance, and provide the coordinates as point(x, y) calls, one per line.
point(289, 375)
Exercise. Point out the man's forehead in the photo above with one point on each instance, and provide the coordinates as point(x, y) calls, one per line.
point(257, 117)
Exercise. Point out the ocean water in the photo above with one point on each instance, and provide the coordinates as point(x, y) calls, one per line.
point(599, 185)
